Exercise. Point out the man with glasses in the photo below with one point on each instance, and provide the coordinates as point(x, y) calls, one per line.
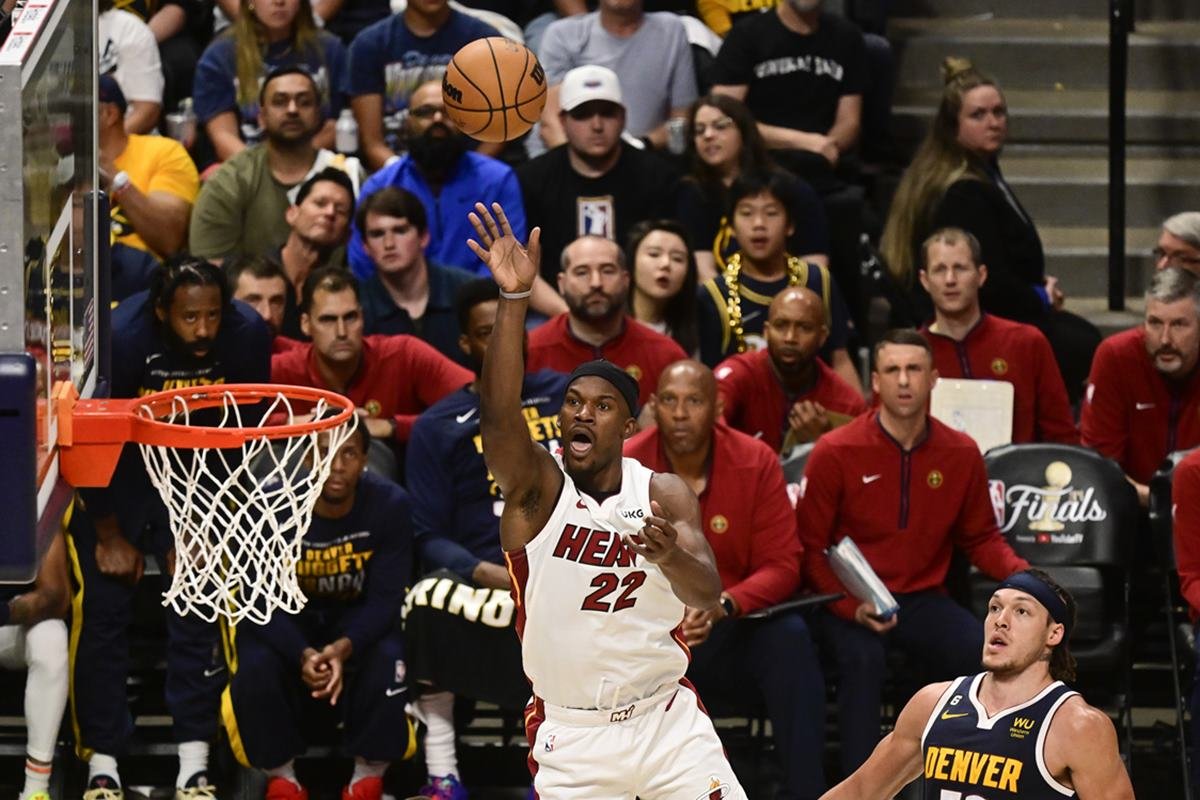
point(595, 184)
point(1179, 243)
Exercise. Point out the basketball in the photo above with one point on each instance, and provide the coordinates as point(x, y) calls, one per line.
point(494, 89)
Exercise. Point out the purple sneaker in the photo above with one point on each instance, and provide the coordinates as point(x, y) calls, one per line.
point(444, 788)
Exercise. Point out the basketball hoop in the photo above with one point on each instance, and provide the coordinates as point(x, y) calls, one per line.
point(239, 483)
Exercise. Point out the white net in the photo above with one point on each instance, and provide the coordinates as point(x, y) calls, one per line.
point(238, 514)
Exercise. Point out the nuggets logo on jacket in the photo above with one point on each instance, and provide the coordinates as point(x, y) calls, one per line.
point(373, 408)
point(634, 371)
point(999, 366)
point(718, 523)
point(934, 479)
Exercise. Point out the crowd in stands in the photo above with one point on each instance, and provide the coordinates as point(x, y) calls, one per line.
point(697, 177)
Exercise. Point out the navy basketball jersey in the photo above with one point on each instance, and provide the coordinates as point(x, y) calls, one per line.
point(972, 756)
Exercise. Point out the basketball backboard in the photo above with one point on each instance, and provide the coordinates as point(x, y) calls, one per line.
point(52, 312)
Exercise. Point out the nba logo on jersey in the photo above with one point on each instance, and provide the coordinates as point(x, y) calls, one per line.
point(596, 217)
point(996, 491)
point(400, 671)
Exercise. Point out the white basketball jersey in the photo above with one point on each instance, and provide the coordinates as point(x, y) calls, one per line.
point(597, 621)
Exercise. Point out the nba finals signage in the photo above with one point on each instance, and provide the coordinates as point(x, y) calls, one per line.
point(1049, 512)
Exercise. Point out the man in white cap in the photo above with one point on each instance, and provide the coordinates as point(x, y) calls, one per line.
point(596, 183)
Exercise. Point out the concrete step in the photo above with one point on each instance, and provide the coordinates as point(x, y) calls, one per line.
point(1079, 258)
point(1166, 119)
point(1090, 9)
point(1047, 54)
point(1072, 192)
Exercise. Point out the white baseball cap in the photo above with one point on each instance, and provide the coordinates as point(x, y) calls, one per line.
point(587, 83)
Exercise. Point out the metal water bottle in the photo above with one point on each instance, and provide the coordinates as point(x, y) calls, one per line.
point(346, 133)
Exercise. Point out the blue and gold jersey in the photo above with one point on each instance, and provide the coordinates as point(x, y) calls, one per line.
point(970, 755)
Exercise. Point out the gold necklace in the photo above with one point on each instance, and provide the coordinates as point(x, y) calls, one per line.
point(733, 271)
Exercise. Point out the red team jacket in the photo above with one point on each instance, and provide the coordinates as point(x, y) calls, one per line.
point(641, 352)
point(747, 517)
point(756, 403)
point(399, 377)
point(1134, 415)
point(1001, 350)
point(1185, 495)
point(904, 510)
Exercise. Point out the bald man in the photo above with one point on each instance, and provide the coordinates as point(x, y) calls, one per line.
point(785, 395)
point(748, 521)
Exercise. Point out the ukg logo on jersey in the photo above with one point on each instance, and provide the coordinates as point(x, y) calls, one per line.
point(1041, 514)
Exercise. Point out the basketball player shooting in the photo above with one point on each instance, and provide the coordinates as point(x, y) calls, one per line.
point(1015, 730)
point(603, 555)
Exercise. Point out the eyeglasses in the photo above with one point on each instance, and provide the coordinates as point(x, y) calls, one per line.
point(427, 111)
point(589, 110)
point(1174, 257)
point(718, 125)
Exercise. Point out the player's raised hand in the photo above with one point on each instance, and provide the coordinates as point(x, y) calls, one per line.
point(513, 265)
point(658, 540)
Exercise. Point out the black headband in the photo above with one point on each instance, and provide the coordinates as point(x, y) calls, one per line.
point(621, 380)
point(1044, 593)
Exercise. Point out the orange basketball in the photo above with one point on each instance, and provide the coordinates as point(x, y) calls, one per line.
point(494, 89)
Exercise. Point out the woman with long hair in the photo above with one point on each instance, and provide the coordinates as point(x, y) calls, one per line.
point(664, 281)
point(724, 143)
point(266, 35)
point(955, 181)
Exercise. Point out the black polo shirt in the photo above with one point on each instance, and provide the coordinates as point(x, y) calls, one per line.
point(438, 325)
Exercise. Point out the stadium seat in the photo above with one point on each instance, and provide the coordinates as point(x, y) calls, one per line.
point(1071, 512)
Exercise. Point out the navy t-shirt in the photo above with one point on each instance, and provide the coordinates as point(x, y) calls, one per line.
point(456, 502)
point(355, 15)
point(390, 60)
point(216, 84)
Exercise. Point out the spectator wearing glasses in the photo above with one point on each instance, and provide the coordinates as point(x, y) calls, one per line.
point(595, 184)
point(1179, 242)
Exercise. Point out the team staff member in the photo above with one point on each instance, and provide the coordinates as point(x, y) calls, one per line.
point(1034, 737)
point(345, 648)
point(595, 283)
point(184, 331)
point(604, 557)
point(907, 489)
point(456, 519)
point(784, 394)
point(1143, 394)
point(970, 344)
point(390, 379)
point(751, 527)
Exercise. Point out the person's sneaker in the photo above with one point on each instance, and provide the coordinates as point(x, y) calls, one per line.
point(283, 789)
point(444, 788)
point(197, 788)
point(37, 796)
point(102, 787)
point(370, 788)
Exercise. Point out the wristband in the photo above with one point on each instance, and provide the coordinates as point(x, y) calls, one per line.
point(120, 183)
point(516, 295)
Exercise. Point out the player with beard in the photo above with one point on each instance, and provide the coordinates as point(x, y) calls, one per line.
point(442, 171)
point(595, 283)
point(242, 207)
point(184, 331)
point(1143, 393)
point(456, 520)
point(784, 394)
point(604, 556)
point(1014, 730)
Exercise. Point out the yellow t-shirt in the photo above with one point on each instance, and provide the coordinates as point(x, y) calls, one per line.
point(154, 164)
point(721, 14)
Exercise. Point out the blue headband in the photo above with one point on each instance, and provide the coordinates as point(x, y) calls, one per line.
point(1041, 591)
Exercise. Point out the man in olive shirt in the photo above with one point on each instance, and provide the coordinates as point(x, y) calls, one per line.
point(242, 206)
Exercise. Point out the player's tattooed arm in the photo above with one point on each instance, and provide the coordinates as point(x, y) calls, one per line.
point(672, 539)
point(896, 760)
point(50, 596)
point(525, 472)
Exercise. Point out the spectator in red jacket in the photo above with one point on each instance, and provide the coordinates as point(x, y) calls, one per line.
point(907, 489)
point(390, 379)
point(1185, 499)
point(750, 525)
point(1143, 393)
point(785, 394)
point(968, 343)
point(595, 283)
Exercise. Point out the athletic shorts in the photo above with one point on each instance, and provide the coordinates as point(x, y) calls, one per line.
point(660, 748)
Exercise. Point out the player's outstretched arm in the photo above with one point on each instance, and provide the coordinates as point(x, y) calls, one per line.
point(524, 471)
point(671, 538)
point(896, 760)
point(1083, 743)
